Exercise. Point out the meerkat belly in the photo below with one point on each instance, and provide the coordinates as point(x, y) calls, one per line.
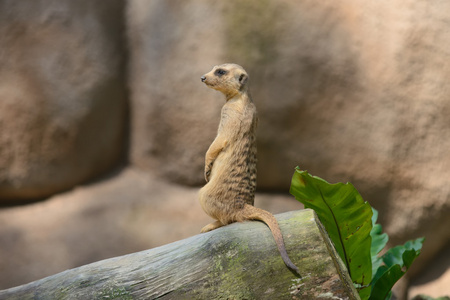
point(231, 186)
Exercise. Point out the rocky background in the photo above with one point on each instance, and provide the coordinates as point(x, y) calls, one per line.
point(104, 121)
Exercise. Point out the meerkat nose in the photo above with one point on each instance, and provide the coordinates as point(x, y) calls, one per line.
point(203, 78)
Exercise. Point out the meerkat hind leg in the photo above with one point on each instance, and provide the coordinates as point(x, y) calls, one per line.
point(211, 226)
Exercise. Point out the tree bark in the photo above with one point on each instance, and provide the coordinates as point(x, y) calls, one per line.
point(238, 261)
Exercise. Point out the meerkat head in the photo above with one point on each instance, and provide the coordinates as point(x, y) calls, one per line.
point(230, 79)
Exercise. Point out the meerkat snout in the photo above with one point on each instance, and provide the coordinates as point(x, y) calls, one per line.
point(203, 78)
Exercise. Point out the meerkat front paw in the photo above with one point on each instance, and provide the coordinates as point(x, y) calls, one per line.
point(208, 172)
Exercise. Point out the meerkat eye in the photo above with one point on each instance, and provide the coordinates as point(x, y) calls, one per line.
point(220, 72)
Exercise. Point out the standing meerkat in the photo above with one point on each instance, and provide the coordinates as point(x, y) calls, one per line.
point(230, 162)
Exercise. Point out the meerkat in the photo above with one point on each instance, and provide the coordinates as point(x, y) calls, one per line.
point(230, 162)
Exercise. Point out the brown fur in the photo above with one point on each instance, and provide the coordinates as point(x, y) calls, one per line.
point(230, 162)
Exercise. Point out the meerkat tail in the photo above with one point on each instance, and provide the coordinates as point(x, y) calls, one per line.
point(253, 213)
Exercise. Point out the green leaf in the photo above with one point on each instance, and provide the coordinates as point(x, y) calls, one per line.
point(379, 241)
point(397, 261)
point(364, 292)
point(382, 287)
point(346, 217)
point(395, 255)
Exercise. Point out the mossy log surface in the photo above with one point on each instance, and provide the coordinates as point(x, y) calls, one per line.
point(239, 261)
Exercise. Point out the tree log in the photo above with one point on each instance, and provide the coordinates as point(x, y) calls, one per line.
point(238, 261)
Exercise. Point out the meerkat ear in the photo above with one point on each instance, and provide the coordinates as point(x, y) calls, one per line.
point(243, 79)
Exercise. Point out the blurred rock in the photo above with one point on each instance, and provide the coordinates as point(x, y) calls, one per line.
point(172, 44)
point(62, 91)
point(351, 91)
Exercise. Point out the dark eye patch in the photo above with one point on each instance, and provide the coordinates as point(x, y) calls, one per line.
point(220, 72)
